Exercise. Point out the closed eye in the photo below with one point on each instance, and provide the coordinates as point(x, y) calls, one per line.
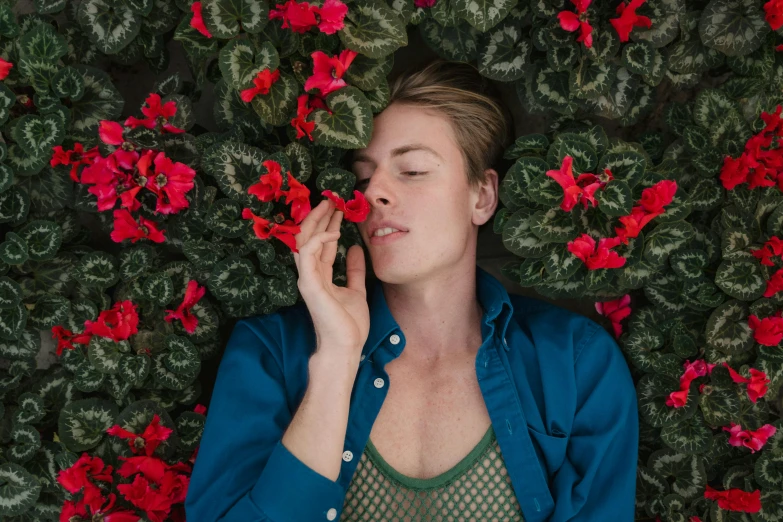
point(363, 183)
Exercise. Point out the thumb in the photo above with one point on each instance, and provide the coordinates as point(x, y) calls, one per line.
point(356, 268)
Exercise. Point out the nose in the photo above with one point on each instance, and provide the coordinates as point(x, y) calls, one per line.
point(378, 192)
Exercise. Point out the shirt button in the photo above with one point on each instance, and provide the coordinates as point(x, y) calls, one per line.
point(363, 357)
point(394, 339)
point(331, 514)
point(347, 456)
point(378, 383)
point(505, 341)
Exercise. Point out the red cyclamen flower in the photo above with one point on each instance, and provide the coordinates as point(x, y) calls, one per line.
point(629, 19)
point(5, 68)
point(735, 499)
point(757, 384)
point(125, 227)
point(193, 293)
point(754, 440)
point(148, 441)
point(582, 188)
point(300, 123)
point(616, 311)
point(261, 84)
point(595, 257)
point(156, 113)
point(355, 210)
point(66, 338)
point(571, 21)
point(76, 157)
point(773, 10)
point(117, 323)
point(767, 331)
point(265, 229)
point(328, 71)
point(197, 22)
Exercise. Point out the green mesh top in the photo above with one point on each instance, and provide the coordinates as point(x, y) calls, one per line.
point(477, 488)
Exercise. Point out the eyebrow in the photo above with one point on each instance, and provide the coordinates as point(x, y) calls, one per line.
point(399, 151)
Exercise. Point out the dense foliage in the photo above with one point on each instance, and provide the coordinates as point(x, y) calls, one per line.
point(132, 242)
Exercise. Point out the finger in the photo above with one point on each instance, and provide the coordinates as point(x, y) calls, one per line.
point(330, 249)
point(309, 223)
point(309, 257)
point(356, 269)
point(324, 221)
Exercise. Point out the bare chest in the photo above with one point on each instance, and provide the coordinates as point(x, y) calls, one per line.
point(429, 421)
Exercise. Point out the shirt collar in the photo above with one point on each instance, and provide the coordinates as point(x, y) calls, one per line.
point(490, 292)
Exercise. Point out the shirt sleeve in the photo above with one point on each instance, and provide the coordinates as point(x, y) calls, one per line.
point(243, 472)
point(597, 481)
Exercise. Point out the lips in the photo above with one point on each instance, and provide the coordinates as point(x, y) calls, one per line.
point(385, 224)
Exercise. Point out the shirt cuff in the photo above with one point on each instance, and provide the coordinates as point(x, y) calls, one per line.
point(290, 491)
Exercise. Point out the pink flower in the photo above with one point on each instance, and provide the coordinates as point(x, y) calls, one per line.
point(754, 440)
point(616, 311)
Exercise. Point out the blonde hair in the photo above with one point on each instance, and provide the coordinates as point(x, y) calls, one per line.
point(480, 120)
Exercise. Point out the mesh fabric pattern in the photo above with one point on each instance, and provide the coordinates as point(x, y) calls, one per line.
point(477, 489)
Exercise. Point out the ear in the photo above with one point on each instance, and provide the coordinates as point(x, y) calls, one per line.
point(486, 198)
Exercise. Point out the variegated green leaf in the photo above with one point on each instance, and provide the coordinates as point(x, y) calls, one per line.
point(665, 18)
point(519, 238)
point(551, 90)
point(82, 423)
point(97, 270)
point(589, 80)
point(642, 346)
point(373, 29)
point(350, 124)
point(239, 62)
point(101, 101)
point(235, 167)
point(455, 43)
point(225, 18)
point(615, 198)
point(109, 25)
point(38, 134)
point(49, 310)
point(68, 83)
point(528, 144)
point(181, 356)
point(733, 27)
point(20, 490)
point(554, 225)
point(727, 328)
point(368, 73)
point(691, 436)
point(275, 107)
point(653, 390)
point(233, 280)
point(483, 14)
point(503, 51)
point(43, 239)
point(560, 263)
point(666, 238)
point(742, 280)
point(105, 354)
point(686, 471)
point(134, 369)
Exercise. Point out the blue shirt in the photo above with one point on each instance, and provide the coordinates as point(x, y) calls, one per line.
point(556, 385)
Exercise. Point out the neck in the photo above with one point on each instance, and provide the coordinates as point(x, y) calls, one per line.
point(441, 317)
